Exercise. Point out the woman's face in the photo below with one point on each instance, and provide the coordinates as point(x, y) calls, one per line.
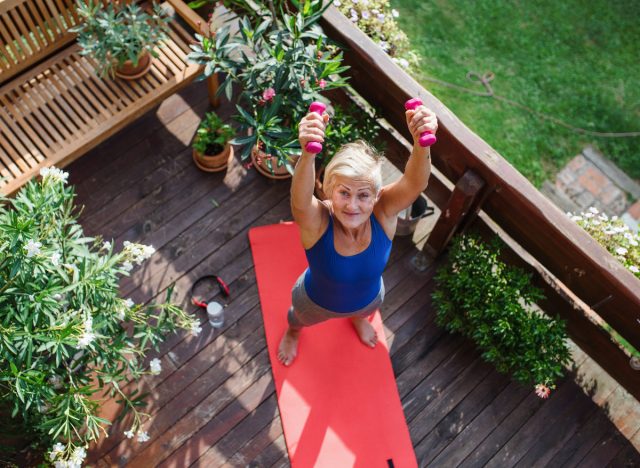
point(353, 201)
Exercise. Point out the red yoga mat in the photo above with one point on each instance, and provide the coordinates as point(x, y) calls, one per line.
point(338, 401)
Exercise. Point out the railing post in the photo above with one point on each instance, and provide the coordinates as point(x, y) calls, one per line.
point(212, 86)
point(456, 212)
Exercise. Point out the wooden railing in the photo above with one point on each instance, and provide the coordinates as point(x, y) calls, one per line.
point(473, 185)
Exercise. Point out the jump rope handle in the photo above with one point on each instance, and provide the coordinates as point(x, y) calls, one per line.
point(314, 147)
point(426, 138)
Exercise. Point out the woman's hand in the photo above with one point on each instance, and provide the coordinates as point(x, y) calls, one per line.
point(311, 128)
point(420, 120)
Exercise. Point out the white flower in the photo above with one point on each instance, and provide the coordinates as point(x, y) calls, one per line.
point(576, 218)
point(594, 210)
point(403, 63)
point(55, 381)
point(395, 13)
point(32, 248)
point(588, 215)
point(633, 242)
point(384, 45)
point(127, 266)
point(129, 433)
point(614, 218)
point(129, 303)
point(86, 339)
point(53, 173)
point(79, 454)
point(604, 217)
point(355, 2)
point(634, 269)
point(155, 366)
point(55, 258)
point(143, 436)
point(381, 17)
point(148, 250)
point(595, 222)
point(375, 12)
point(121, 314)
point(337, 3)
point(106, 245)
point(365, 14)
point(621, 251)
point(628, 235)
point(609, 232)
point(57, 449)
point(61, 464)
point(196, 329)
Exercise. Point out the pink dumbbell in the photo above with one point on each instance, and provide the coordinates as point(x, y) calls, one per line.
point(426, 138)
point(314, 147)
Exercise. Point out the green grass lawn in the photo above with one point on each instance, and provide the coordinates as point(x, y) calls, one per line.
point(574, 59)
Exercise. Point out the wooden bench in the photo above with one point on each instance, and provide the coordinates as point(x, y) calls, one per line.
point(53, 105)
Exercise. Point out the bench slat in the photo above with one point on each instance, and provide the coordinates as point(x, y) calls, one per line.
point(12, 137)
point(17, 127)
point(106, 91)
point(61, 108)
point(31, 30)
point(32, 128)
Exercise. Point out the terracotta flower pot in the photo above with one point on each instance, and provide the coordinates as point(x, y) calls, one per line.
point(130, 72)
point(268, 165)
point(214, 163)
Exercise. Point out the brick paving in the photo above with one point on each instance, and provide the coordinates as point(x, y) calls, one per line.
point(591, 180)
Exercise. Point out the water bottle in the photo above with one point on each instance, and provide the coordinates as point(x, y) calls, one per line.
point(215, 312)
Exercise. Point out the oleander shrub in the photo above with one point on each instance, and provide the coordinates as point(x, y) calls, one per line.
point(490, 302)
point(66, 337)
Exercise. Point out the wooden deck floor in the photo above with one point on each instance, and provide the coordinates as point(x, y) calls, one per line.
point(214, 402)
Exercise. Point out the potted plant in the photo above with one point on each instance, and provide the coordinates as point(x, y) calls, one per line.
point(120, 38)
point(211, 148)
point(282, 62)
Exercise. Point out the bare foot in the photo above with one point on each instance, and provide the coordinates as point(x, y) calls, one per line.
point(365, 330)
point(288, 349)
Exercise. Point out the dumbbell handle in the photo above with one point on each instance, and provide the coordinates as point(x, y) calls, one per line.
point(314, 147)
point(426, 138)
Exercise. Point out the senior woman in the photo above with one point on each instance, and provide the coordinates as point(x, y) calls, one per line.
point(347, 238)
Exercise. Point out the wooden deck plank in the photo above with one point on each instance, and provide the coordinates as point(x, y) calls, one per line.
point(582, 441)
point(459, 416)
point(214, 403)
point(554, 413)
point(477, 430)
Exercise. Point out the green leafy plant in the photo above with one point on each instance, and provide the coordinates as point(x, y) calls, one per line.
point(212, 135)
point(65, 334)
point(490, 302)
point(115, 33)
point(377, 20)
point(282, 62)
point(347, 124)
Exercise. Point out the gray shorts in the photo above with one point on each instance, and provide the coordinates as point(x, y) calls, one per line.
point(304, 312)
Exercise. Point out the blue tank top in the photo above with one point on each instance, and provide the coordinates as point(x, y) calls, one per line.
point(346, 284)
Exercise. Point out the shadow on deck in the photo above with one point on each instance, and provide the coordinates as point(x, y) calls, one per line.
point(214, 402)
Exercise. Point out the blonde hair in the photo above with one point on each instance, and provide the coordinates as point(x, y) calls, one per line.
point(356, 161)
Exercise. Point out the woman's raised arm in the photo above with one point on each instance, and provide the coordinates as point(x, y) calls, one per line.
point(400, 194)
point(305, 207)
